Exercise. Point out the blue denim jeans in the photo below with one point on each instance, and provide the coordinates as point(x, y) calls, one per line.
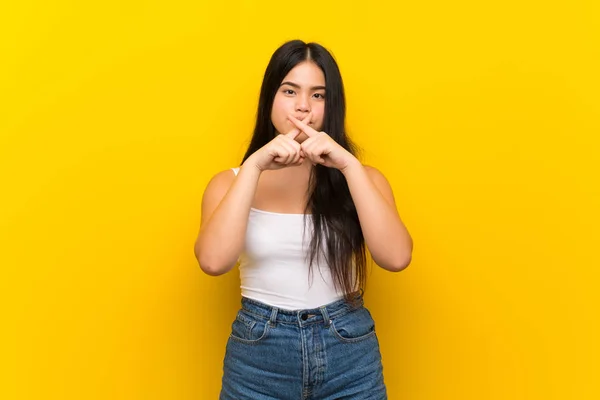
point(326, 353)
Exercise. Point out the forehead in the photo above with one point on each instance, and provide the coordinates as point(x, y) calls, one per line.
point(307, 73)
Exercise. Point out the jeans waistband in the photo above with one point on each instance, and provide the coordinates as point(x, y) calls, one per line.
point(302, 317)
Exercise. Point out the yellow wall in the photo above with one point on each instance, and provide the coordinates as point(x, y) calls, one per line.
point(484, 116)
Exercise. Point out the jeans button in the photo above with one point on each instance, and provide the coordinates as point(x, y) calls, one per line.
point(304, 317)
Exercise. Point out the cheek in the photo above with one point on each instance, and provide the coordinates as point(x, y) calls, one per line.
point(318, 117)
point(280, 109)
point(279, 116)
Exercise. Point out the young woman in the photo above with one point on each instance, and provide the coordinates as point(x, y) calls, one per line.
point(298, 215)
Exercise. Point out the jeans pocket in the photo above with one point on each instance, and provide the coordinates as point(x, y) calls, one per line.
point(354, 326)
point(249, 329)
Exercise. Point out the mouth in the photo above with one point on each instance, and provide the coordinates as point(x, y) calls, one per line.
point(307, 123)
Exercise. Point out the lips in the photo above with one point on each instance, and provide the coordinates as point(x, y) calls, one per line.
point(310, 123)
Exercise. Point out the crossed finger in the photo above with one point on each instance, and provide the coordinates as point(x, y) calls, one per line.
point(302, 126)
point(296, 131)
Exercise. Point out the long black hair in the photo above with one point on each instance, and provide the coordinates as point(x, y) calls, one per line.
point(337, 231)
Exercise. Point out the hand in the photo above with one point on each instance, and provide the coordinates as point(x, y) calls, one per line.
point(283, 151)
point(320, 148)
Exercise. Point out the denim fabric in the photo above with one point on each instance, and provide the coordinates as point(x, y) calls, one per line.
point(326, 353)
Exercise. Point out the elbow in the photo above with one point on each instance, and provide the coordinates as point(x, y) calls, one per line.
point(209, 265)
point(397, 265)
point(208, 270)
point(401, 262)
point(402, 265)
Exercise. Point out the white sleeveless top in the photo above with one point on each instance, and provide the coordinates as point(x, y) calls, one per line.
point(273, 265)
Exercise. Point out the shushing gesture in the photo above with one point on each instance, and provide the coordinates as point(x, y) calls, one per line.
point(320, 148)
point(283, 151)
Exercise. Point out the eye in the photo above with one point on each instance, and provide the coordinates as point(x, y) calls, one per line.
point(288, 91)
point(320, 95)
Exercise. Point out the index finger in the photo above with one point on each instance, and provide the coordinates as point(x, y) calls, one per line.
point(302, 126)
point(296, 131)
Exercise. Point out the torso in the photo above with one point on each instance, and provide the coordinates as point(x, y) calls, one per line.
point(283, 191)
point(273, 264)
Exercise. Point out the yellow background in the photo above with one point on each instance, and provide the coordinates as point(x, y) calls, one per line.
point(484, 116)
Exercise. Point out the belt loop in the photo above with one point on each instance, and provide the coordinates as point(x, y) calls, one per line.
point(325, 316)
point(273, 316)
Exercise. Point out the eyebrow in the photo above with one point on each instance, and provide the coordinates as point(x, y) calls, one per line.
point(292, 84)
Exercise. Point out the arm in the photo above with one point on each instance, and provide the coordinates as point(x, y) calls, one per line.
point(385, 235)
point(225, 209)
point(227, 200)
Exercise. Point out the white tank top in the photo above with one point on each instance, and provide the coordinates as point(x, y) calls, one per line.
point(273, 265)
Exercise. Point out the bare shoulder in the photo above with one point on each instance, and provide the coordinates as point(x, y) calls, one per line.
point(215, 190)
point(381, 182)
point(221, 179)
point(374, 173)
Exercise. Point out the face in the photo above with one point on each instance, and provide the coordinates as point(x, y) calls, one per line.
point(301, 91)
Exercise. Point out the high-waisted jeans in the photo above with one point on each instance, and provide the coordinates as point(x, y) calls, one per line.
point(326, 353)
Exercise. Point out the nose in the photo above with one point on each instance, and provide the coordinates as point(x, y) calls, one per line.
point(302, 104)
